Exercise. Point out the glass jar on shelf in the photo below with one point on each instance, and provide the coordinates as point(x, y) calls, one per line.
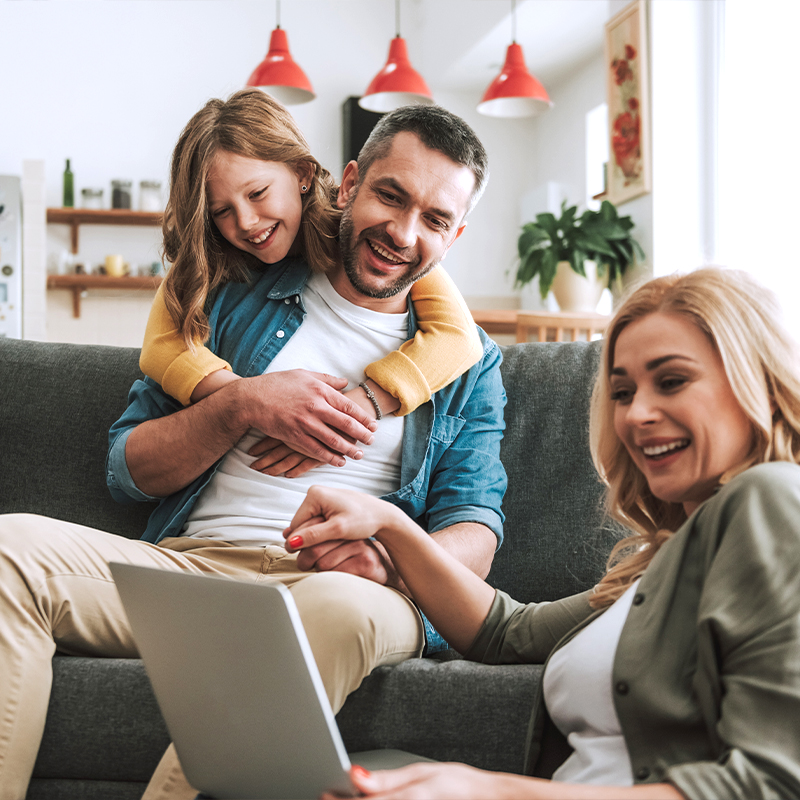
point(91, 198)
point(150, 196)
point(121, 194)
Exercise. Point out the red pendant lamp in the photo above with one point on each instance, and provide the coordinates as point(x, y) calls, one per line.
point(278, 74)
point(398, 83)
point(514, 92)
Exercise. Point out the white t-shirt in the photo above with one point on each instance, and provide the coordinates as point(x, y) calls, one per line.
point(245, 507)
point(578, 693)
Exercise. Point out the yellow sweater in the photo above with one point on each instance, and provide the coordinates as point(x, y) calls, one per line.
point(445, 346)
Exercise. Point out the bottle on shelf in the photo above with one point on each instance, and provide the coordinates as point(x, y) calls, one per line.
point(69, 191)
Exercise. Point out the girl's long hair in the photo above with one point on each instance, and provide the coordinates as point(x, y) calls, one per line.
point(742, 319)
point(250, 124)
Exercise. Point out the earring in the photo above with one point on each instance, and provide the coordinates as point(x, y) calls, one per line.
point(303, 189)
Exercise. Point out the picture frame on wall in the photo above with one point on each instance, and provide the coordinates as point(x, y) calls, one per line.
point(628, 97)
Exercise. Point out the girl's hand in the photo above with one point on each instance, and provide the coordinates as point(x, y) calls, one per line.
point(326, 514)
point(425, 781)
point(280, 459)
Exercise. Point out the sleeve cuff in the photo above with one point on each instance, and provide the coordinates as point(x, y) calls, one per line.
point(118, 477)
point(187, 370)
point(400, 376)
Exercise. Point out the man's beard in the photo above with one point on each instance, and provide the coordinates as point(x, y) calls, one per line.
point(348, 249)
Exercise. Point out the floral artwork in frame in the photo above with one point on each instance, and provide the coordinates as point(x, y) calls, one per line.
point(628, 104)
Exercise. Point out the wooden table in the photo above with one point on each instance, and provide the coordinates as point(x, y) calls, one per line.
point(496, 320)
point(549, 326)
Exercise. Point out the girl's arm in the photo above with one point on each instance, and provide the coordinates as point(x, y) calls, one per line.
point(446, 345)
point(185, 375)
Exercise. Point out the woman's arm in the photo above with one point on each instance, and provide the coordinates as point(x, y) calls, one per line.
point(459, 782)
point(454, 598)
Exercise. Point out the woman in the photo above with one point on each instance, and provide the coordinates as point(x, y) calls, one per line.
point(678, 675)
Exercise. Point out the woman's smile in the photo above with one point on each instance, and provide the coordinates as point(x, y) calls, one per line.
point(675, 410)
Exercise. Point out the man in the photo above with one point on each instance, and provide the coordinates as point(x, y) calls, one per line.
point(404, 204)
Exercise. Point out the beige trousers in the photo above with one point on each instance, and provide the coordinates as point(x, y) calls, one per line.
point(56, 591)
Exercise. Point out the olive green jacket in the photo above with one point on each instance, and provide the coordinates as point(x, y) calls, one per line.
point(707, 671)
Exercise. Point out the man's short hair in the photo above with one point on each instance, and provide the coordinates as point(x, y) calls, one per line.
point(438, 129)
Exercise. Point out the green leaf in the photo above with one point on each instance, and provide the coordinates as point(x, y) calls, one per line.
point(608, 211)
point(568, 218)
point(595, 243)
point(531, 236)
point(547, 272)
point(529, 266)
point(578, 257)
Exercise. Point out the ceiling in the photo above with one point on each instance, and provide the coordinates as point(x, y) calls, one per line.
point(460, 45)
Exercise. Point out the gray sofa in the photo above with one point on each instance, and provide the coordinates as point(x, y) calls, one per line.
point(104, 732)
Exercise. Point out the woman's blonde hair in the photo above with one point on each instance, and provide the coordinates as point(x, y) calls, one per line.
point(742, 319)
point(250, 124)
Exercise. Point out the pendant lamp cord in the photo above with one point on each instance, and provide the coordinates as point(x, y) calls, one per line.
point(513, 21)
point(397, 17)
point(277, 13)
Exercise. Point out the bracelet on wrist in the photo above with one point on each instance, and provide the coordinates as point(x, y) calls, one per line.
point(371, 397)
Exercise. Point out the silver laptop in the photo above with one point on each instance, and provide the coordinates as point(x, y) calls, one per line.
point(238, 686)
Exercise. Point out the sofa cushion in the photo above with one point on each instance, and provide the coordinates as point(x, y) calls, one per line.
point(103, 720)
point(557, 537)
point(57, 402)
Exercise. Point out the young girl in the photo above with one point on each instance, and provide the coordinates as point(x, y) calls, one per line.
point(205, 244)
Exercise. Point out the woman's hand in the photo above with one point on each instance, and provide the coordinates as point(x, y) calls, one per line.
point(327, 514)
point(426, 781)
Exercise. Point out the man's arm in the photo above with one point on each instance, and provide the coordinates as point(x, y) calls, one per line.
point(165, 454)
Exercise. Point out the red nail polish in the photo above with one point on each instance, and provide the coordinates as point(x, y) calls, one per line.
point(296, 542)
point(360, 772)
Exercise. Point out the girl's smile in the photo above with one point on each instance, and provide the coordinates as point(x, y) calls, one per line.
point(675, 411)
point(256, 205)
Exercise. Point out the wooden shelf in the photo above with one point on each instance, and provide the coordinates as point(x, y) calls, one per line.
point(80, 283)
point(75, 217)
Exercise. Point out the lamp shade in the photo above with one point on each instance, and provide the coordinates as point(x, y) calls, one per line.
point(514, 92)
point(397, 84)
point(279, 75)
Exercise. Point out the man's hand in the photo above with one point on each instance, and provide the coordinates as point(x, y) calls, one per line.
point(278, 458)
point(364, 558)
point(304, 409)
point(307, 412)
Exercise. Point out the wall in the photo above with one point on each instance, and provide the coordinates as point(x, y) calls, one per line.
point(110, 85)
point(556, 161)
point(759, 160)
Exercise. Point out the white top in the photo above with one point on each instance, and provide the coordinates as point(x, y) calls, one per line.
point(578, 693)
point(248, 508)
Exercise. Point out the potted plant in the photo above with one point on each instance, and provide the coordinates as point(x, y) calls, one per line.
point(599, 242)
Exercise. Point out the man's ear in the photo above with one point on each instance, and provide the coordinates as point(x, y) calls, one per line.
point(458, 233)
point(349, 182)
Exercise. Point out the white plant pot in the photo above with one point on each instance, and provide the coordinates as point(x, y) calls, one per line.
point(573, 292)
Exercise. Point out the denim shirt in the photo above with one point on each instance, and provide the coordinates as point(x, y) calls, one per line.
point(450, 470)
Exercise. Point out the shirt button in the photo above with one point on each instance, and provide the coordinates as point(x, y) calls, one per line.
point(297, 298)
point(287, 301)
point(622, 688)
point(280, 334)
point(642, 774)
point(638, 599)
